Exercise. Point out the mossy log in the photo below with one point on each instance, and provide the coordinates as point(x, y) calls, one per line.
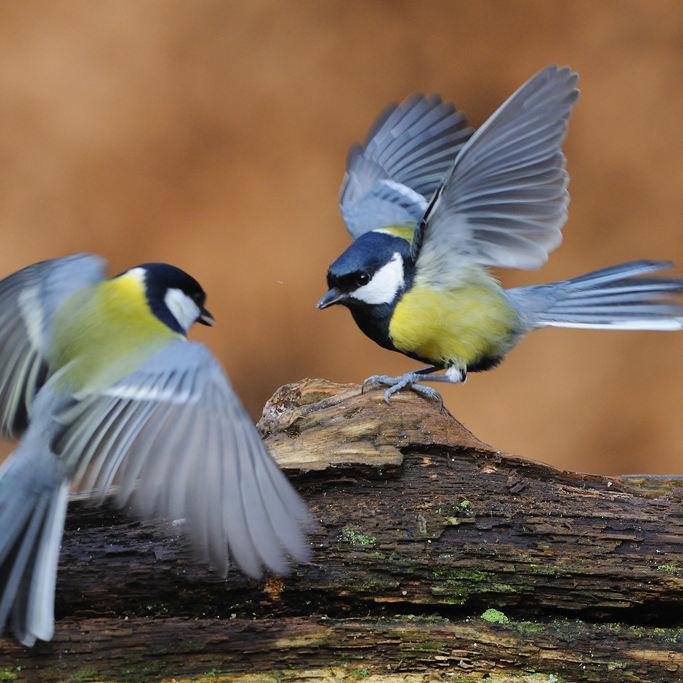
point(434, 555)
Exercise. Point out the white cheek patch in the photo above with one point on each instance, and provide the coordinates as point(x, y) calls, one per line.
point(184, 310)
point(384, 285)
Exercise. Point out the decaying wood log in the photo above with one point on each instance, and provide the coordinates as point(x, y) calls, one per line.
point(422, 529)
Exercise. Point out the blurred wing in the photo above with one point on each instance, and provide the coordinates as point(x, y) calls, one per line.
point(179, 443)
point(505, 199)
point(28, 300)
point(406, 154)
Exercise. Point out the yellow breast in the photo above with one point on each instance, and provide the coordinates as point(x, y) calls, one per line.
point(103, 332)
point(457, 326)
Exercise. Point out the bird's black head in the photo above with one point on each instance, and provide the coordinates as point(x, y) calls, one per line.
point(374, 271)
point(369, 278)
point(175, 297)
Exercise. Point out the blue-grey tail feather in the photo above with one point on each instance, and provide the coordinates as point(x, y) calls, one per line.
point(611, 298)
point(32, 506)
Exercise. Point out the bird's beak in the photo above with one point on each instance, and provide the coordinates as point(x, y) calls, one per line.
point(205, 318)
point(334, 296)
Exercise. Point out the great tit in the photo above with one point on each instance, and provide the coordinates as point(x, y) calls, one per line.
point(98, 377)
point(430, 204)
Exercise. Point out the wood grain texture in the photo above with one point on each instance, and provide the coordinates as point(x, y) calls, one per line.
point(421, 528)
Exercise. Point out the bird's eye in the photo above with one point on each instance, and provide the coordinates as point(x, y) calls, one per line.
point(362, 279)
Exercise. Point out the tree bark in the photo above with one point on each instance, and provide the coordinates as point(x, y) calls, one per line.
point(421, 530)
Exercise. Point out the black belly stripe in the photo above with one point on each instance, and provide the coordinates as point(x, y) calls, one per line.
point(485, 363)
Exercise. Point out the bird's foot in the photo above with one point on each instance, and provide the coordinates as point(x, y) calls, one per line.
point(408, 381)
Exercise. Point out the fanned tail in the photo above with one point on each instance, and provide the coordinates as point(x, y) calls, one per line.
point(33, 501)
point(611, 298)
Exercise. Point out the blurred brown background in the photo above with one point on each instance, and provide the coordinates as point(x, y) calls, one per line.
point(213, 135)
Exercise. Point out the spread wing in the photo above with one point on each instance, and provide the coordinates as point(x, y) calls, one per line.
point(28, 300)
point(505, 198)
point(406, 154)
point(176, 439)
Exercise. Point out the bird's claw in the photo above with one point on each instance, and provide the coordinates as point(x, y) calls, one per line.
point(425, 391)
point(384, 379)
point(408, 381)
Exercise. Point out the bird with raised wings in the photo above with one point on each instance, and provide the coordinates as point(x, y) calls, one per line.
point(430, 204)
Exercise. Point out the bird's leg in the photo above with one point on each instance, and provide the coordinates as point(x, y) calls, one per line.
point(411, 381)
point(454, 375)
point(385, 379)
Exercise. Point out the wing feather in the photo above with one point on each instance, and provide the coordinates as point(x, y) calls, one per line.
point(199, 490)
point(504, 200)
point(260, 530)
point(28, 300)
point(113, 420)
point(408, 150)
point(141, 465)
point(236, 515)
point(218, 552)
point(178, 469)
point(283, 515)
point(175, 438)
